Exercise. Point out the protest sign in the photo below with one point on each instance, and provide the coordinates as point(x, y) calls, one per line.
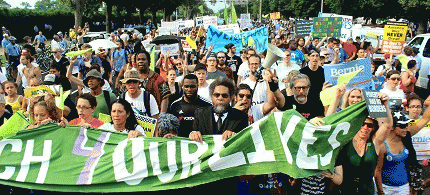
point(186, 46)
point(229, 29)
point(362, 80)
point(209, 20)
point(394, 37)
point(15, 123)
point(275, 15)
point(370, 33)
point(346, 24)
point(199, 21)
point(163, 31)
point(327, 96)
point(245, 21)
point(219, 39)
point(304, 27)
point(421, 142)
point(374, 105)
point(147, 123)
point(37, 91)
point(327, 27)
point(74, 159)
point(172, 26)
point(189, 23)
point(172, 49)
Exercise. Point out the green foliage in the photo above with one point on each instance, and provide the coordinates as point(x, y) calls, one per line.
point(4, 4)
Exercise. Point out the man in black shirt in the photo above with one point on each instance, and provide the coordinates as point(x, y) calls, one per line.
point(184, 107)
point(299, 101)
point(232, 60)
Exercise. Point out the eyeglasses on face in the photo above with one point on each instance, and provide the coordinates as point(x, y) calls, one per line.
point(224, 95)
point(304, 88)
point(241, 95)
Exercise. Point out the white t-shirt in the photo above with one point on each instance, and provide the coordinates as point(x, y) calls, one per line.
point(260, 92)
point(394, 95)
point(110, 127)
point(243, 70)
point(2, 78)
point(204, 93)
point(138, 104)
point(382, 67)
point(255, 113)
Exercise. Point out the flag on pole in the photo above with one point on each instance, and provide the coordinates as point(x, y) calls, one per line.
point(78, 53)
point(190, 42)
point(15, 123)
point(233, 14)
point(59, 100)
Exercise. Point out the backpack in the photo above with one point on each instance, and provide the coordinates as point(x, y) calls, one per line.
point(146, 98)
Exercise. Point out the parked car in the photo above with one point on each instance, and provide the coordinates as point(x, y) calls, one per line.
point(422, 43)
point(95, 35)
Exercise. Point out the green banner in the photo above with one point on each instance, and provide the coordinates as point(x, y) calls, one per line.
point(74, 159)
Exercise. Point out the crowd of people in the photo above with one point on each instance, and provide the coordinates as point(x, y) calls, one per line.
point(198, 93)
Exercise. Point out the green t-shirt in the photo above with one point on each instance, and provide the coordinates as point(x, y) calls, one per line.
point(102, 106)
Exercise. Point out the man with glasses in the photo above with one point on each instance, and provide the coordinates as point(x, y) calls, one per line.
point(257, 84)
point(60, 60)
point(316, 76)
point(184, 107)
point(213, 72)
point(300, 101)
point(221, 59)
point(243, 71)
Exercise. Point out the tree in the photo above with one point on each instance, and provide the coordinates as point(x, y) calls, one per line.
point(4, 4)
point(25, 5)
point(44, 5)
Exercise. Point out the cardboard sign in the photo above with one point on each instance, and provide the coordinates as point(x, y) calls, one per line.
point(209, 20)
point(394, 37)
point(327, 27)
point(172, 49)
point(172, 26)
point(147, 123)
point(38, 91)
point(199, 21)
point(245, 21)
point(275, 15)
point(304, 27)
point(163, 31)
point(374, 105)
point(186, 46)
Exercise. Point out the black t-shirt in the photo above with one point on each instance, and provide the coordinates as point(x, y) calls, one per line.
point(6, 115)
point(31, 48)
point(317, 80)
point(73, 112)
point(233, 62)
point(63, 81)
point(308, 110)
point(107, 69)
point(63, 63)
point(185, 112)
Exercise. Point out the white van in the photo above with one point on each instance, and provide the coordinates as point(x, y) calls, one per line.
point(422, 43)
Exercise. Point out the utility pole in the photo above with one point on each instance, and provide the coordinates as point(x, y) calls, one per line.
point(322, 3)
point(261, 4)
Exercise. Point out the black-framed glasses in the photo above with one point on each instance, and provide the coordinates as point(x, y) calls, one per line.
point(132, 81)
point(224, 95)
point(304, 88)
point(369, 125)
point(241, 95)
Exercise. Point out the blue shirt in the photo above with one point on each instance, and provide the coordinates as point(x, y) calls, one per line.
point(63, 44)
point(297, 56)
point(5, 42)
point(83, 69)
point(119, 59)
point(394, 171)
point(41, 39)
point(13, 49)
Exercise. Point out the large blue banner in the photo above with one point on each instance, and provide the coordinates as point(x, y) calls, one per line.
point(362, 80)
point(219, 39)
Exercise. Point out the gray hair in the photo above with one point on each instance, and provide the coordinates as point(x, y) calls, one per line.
point(168, 123)
point(299, 76)
point(224, 81)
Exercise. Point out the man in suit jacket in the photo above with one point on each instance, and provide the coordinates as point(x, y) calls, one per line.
point(220, 118)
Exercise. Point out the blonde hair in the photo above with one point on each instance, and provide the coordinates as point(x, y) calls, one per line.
point(345, 102)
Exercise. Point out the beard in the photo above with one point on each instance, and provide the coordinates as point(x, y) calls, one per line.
point(300, 98)
point(219, 109)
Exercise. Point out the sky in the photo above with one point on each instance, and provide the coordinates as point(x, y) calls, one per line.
point(17, 3)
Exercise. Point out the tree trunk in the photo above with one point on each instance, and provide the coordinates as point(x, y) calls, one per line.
point(79, 12)
point(129, 16)
point(154, 16)
point(108, 16)
point(141, 14)
point(422, 27)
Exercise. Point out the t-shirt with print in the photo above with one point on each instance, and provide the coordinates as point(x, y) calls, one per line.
point(138, 104)
point(297, 56)
point(110, 127)
point(185, 113)
point(260, 91)
point(244, 70)
point(102, 107)
point(157, 87)
point(215, 75)
point(119, 58)
point(233, 62)
point(255, 113)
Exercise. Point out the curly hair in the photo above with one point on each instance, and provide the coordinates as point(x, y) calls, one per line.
point(49, 106)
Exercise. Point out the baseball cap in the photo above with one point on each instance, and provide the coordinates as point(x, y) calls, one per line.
point(49, 79)
point(12, 38)
point(400, 120)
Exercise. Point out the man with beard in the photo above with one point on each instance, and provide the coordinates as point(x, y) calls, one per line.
point(258, 85)
point(299, 101)
point(220, 118)
point(221, 59)
point(232, 60)
point(152, 82)
point(184, 107)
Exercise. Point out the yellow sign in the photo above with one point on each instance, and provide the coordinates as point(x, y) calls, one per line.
point(275, 15)
point(37, 91)
point(394, 37)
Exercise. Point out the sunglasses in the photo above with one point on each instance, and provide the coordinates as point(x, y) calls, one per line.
point(221, 57)
point(401, 126)
point(224, 95)
point(369, 125)
point(301, 88)
point(241, 95)
point(132, 81)
point(395, 78)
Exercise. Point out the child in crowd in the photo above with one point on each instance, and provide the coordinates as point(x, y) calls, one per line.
point(12, 98)
point(44, 112)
